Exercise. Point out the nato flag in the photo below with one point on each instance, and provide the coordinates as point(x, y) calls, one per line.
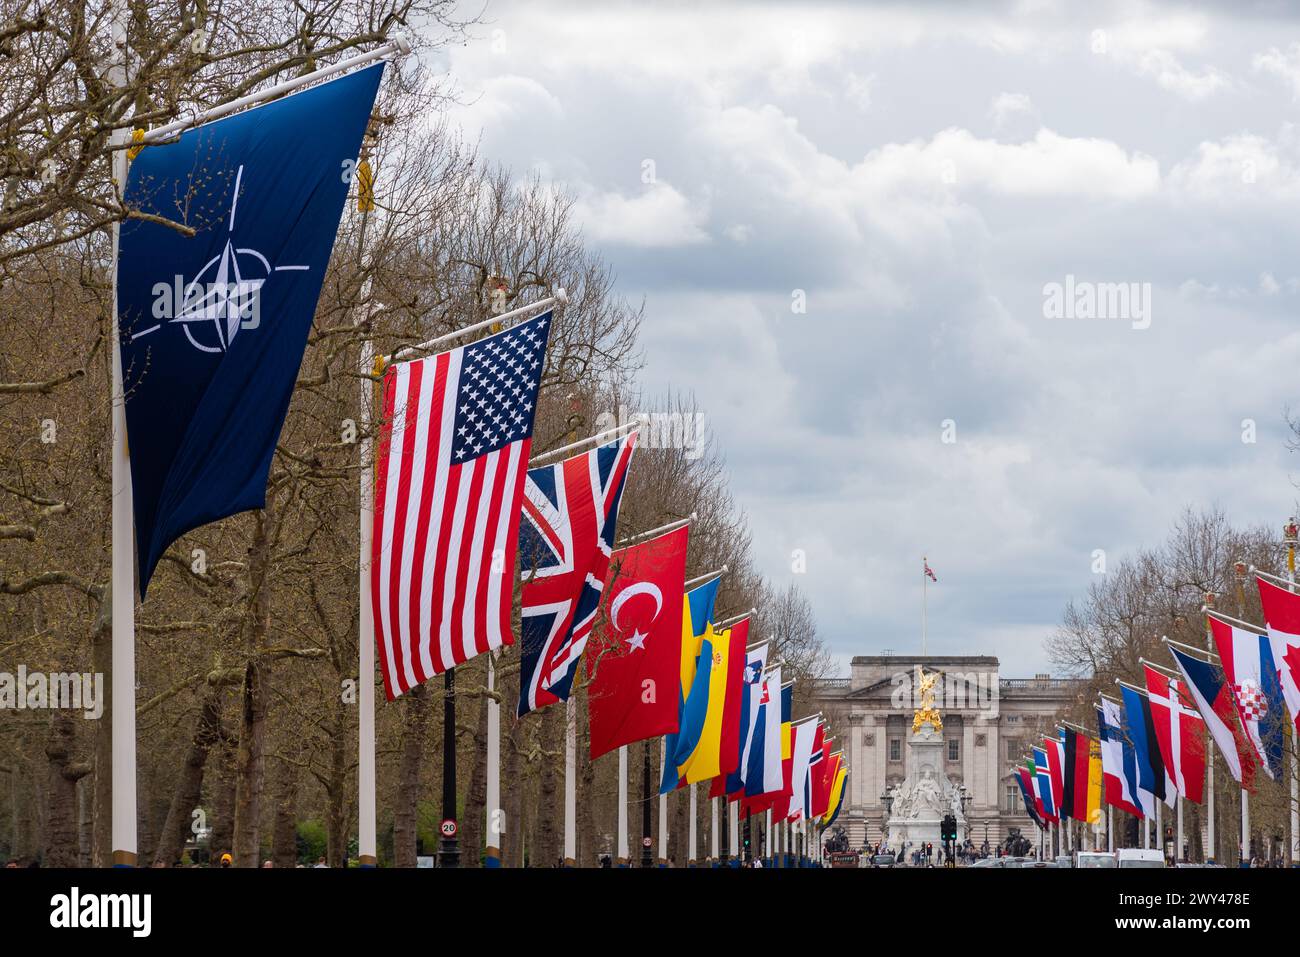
point(213, 327)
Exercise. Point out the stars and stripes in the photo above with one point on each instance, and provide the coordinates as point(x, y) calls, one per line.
point(450, 468)
point(565, 543)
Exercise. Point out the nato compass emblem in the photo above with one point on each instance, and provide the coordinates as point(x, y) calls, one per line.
point(223, 297)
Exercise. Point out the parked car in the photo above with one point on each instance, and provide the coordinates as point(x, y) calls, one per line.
point(1064, 860)
point(1093, 859)
point(883, 860)
point(1140, 857)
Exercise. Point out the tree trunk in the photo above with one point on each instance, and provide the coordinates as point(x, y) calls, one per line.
point(250, 766)
point(221, 818)
point(101, 657)
point(284, 835)
point(189, 787)
point(547, 847)
point(587, 843)
point(474, 816)
point(407, 802)
point(336, 817)
point(61, 812)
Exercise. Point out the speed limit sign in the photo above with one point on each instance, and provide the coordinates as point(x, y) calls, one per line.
point(448, 828)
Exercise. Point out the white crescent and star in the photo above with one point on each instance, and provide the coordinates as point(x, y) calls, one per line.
point(640, 588)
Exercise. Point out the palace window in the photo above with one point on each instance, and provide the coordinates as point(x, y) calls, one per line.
point(895, 749)
point(1011, 799)
point(954, 749)
point(1013, 750)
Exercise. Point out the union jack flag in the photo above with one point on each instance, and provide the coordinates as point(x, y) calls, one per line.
point(565, 543)
point(450, 468)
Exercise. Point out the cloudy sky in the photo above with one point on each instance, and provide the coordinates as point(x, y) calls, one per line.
point(921, 175)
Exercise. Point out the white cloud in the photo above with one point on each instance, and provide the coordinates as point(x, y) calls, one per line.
point(658, 217)
point(1283, 64)
point(1008, 106)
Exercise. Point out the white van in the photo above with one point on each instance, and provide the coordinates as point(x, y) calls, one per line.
point(1140, 857)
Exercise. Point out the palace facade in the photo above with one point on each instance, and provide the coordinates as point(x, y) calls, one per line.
point(989, 722)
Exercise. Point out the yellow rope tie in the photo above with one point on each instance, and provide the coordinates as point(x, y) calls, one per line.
point(137, 137)
point(365, 187)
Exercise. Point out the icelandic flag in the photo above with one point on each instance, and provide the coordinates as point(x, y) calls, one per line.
point(213, 326)
point(566, 539)
point(1044, 775)
point(1247, 658)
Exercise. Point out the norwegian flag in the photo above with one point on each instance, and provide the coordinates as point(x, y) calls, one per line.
point(565, 543)
point(1179, 731)
point(453, 450)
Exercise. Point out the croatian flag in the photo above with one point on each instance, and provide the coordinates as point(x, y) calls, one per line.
point(1247, 658)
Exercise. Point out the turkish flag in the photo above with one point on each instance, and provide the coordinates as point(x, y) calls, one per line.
point(634, 660)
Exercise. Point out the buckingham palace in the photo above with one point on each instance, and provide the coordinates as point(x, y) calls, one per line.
point(988, 724)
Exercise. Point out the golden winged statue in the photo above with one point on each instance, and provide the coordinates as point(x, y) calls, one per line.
point(927, 711)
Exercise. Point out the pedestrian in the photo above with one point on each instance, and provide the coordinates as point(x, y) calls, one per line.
point(227, 860)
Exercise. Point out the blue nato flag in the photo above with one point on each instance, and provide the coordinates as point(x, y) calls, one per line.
point(213, 327)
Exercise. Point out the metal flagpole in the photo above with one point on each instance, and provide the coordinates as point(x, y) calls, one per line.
point(924, 563)
point(700, 579)
point(495, 820)
point(1178, 851)
point(589, 440)
point(734, 817)
point(366, 842)
point(1245, 828)
point(571, 782)
point(541, 305)
point(122, 685)
point(449, 850)
point(690, 853)
point(713, 832)
point(663, 808)
point(623, 855)
point(1110, 828)
point(660, 530)
point(398, 45)
point(1291, 533)
point(647, 860)
point(767, 837)
point(1209, 757)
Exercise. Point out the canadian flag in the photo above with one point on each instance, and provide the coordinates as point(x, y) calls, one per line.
point(1282, 616)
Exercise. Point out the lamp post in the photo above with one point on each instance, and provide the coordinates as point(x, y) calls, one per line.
point(887, 800)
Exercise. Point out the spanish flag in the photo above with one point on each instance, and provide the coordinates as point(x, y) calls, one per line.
point(1094, 781)
point(837, 790)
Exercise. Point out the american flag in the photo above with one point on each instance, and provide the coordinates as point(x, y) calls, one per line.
point(565, 543)
point(453, 453)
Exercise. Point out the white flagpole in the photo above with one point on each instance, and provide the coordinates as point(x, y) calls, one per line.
point(623, 808)
point(690, 858)
point(734, 818)
point(1245, 827)
point(494, 815)
point(399, 46)
point(663, 808)
point(367, 851)
point(123, 554)
point(713, 832)
point(570, 782)
point(924, 577)
point(540, 306)
point(1178, 850)
point(1110, 828)
point(767, 837)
